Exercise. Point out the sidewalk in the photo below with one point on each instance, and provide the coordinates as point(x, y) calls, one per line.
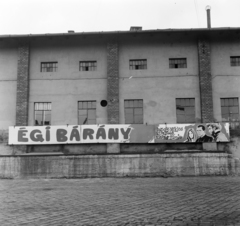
point(121, 201)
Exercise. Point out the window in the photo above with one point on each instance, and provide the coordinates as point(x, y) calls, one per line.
point(235, 61)
point(86, 112)
point(42, 112)
point(49, 66)
point(178, 63)
point(137, 64)
point(133, 111)
point(88, 66)
point(230, 111)
point(185, 108)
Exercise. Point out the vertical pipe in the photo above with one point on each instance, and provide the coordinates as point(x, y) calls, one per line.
point(208, 8)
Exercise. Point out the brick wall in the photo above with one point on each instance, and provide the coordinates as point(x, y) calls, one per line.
point(22, 87)
point(113, 83)
point(205, 80)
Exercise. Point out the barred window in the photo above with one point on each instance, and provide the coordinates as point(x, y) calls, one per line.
point(230, 111)
point(87, 65)
point(137, 64)
point(86, 112)
point(133, 111)
point(49, 66)
point(235, 61)
point(42, 113)
point(185, 108)
point(178, 63)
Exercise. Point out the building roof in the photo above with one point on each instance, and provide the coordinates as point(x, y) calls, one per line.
point(181, 30)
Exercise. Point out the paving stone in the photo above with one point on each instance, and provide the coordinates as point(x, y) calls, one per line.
point(121, 201)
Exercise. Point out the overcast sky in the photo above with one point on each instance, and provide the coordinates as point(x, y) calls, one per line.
point(59, 16)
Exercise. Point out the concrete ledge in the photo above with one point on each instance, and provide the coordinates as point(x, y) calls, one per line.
point(77, 166)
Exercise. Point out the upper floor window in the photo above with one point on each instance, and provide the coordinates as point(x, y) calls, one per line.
point(137, 64)
point(235, 61)
point(86, 112)
point(42, 113)
point(185, 108)
point(230, 111)
point(49, 66)
point(178, 63)
point(88, 66)
point(133, 111)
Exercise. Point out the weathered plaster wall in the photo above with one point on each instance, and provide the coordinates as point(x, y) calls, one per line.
point(8, 78)
point(226, 83)
point(8, 85)
point(159, 86)
point(116, 165)
point(68, 85)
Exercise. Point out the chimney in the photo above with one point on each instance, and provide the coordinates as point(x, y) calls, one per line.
point(208, 8)
point(135, 28)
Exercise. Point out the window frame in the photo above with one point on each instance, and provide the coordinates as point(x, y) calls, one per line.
point(43, 113)
point(90, 64)
point(235, 61)
point(127, 106)
point(188, 106)
point(227, 103)
point(138, 64)
point(181, 62)
point(88, 110)
point(53, 67)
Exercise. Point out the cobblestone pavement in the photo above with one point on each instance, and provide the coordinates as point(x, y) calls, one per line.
point(121, 201)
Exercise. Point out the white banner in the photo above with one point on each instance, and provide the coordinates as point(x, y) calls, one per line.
point(69, 134)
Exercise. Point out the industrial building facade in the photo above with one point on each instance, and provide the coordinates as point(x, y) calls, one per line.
point(127, 77)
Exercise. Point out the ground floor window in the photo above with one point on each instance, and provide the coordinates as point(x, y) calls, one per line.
point(185, 109)
point(42, 112)
point(230, 111)
point(86, 112)
point(133, 111)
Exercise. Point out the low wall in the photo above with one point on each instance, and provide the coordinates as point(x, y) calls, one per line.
point(137, 165)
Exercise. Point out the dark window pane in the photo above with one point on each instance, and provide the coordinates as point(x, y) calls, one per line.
point(129, 115)
point(92, 114)
point(192, 102)
point(233, 109)
point(135, 103)
point(138, 111)
point(80, 105)
point(85, 105)
point(191, 118)
point(180, 111)
point(180, 118)
point(230, 102)
point(225, 102)
point(130, 103)
point(38, 118)
point(185, 110)
point(82, 120)
point(178, 101)
point(82, 113)
point(236, 101)
point(225, 110)
point(189, 110)
point(222, 102)
point(140, 103)
point(93, 104)
point(187, 102)
point(47, 119)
